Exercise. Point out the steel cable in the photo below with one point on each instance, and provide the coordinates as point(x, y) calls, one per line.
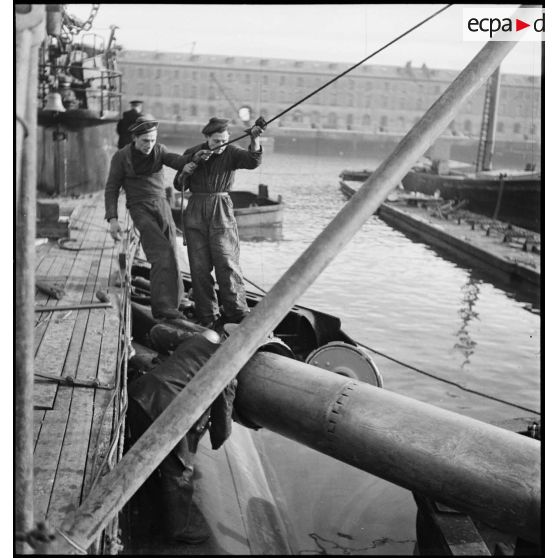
point(246, 134)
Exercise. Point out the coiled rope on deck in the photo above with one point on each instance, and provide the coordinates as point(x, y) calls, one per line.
point(327, 84)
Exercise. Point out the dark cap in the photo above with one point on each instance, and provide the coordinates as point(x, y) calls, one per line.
point(136, 102)
point(215, 125)
point(143, 125)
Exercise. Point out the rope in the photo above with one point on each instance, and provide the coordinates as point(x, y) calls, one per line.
point(24, 124)
point(71, 542)
point(455, 384)
point(340, 75)
point(430, 375)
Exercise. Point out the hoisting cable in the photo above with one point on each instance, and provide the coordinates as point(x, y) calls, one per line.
point(261, 122)
point(455, 384)
point(430, 375)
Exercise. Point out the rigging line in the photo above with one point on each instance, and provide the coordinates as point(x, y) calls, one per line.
point(342, 73)
point(455, 384)
point(405, 365)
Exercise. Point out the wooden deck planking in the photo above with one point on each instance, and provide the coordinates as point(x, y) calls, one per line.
point(104, 408)
point(66, 435)
point(68, 485)
point(60, 330)
point(49, 265)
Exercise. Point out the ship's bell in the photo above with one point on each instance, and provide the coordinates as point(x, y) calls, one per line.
point(54, 102)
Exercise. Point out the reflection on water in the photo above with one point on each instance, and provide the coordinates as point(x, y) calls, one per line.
point(465, 343)
point(262, 233)
point(403, 299)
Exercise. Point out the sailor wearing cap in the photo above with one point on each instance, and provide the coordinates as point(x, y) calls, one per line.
point(128, 118)
point(211, 231)
point(138, 169)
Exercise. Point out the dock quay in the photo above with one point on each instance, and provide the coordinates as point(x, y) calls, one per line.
point(80, 346)
point(507, 253)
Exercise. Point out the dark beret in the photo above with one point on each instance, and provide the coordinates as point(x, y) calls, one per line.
point(143, 124)
point(215, 125)
point(136, 102)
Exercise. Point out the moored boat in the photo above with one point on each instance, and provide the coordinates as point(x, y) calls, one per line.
point(251, 210)
point(507, 195)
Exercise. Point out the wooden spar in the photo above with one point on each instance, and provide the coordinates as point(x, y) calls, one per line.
point(118, 485)
point(490, 473)
point(31, 23)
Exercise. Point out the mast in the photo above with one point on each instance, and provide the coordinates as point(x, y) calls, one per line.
point(30, 30)
point(487, 134)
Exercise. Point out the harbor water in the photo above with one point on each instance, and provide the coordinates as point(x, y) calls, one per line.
point(408, 303)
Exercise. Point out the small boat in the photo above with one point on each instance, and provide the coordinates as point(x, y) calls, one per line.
point(251, 210)
point(510, 196)
point(507, 195)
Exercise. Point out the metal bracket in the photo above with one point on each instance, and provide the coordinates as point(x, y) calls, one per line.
point(76, 382)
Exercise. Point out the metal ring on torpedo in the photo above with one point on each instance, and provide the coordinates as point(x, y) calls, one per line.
point(346, 360)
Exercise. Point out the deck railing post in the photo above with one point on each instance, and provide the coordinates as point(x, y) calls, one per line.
point(117, 486)
point(30, 32)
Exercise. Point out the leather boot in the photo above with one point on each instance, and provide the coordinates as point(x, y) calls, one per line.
point(183, 523)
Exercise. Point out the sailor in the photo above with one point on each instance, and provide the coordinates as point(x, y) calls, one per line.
point(210, 226)
point(148, 396)
point(152, 392)
point(138, 169)
point(128, 118)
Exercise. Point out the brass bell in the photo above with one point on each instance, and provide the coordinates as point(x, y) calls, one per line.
point(54, 102)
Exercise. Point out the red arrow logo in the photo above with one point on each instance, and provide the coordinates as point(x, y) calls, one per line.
point(519, 25)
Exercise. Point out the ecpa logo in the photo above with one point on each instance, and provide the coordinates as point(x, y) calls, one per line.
point(503, 24)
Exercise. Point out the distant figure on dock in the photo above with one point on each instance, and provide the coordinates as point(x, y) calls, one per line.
point(210, 226)
point(128, 118)
point(138, 168)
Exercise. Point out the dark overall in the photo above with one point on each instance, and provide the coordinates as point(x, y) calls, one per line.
point(146, 200)
point(150, 395)
point(212, 235)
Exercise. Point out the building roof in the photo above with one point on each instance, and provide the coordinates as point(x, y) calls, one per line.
point(219, 61)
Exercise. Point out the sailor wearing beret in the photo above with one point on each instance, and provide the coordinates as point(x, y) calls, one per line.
point(210, 226)
point(138, 169)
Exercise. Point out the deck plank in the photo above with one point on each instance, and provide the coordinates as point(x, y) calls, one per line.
point(82, 344)
point(53, 350)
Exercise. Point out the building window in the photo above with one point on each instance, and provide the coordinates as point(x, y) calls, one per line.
point(297, 116)
point(140, 72)
point(350, 120)
point(175, 90)
point(193, 110)
point(300, 82)
point(265, 80)
point(157, 90)
point(500, 127)
point(517, 128)
point(158, 73)
point(282, 80)
point(383, 123)
point(468, 126)
point(247, 78)
point(141, 90)
point(332, 120)
point(366, 121)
